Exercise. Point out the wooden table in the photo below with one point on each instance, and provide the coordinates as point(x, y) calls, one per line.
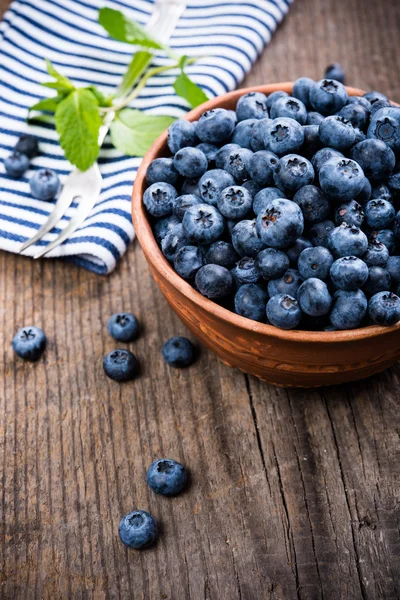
point(294, 494)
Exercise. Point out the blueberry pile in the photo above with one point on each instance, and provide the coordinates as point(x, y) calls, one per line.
point(44, 183)
point(286, 211)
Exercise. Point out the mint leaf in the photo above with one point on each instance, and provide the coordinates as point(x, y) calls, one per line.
point(188, 90)
point(61, 83)
point(48, 104)
point(123, 29)
point(133, 131)
point(102, 100)
point(136, 67)
point(78, 123)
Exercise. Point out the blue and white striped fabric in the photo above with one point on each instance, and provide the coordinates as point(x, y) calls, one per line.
point(229, 34)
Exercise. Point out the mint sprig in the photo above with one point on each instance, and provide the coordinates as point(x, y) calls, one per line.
point(79, 111)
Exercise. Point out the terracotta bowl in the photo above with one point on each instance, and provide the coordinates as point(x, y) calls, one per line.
point(285, 358)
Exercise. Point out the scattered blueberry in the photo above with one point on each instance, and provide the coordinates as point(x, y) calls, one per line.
point(121, 365)
point(123, 327)
point(138, 529)
point(45, 184)
point(336, 72)
point(166, 476)
point(16, 164)
point(28, 145)
point(29, 343)
point(178, 352)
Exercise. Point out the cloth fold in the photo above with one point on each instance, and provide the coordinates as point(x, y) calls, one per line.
point(228, 35)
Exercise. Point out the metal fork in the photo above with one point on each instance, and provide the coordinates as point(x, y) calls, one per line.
point(84, 187)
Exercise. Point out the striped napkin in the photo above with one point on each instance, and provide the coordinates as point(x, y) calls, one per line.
point(229, 34)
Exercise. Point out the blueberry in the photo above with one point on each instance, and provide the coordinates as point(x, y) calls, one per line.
point(182, 203)
point(223, 154)
point(351, 213)
point(314, 118)
point(348, 310)
point(166, 476)
point(16, 164)
point(245, 239)
point(190, 186)
point(162, 169)
point(393, 267)
point(302, 88)
point(280, 224)
point(190, 162)
point(341, 178)
point(374, 96)
point(293, 172)
point(44, 184)
point(212, 183)
point(315, 262)
point(379, 213)
point(359, 135)
point(252, 106)
point(312, 142)
point(188, 260)
point(159, 199)
point(203, 224)
point(365, 194)
point(381, 191)
point(237, 164)
point(178, 352)
point(283, 311)
point(181, 133)
point(314, 298)
point(357, 114)
point(138, 529)
point(394, 182)
point(378, 280)
point(275, 96)
point(163, 226)
point(252, 187)
point(360, 100)
point(121, 365)
point(264, 197)
point(243, 133)
point(384, 308)
point(349, 273)
point(385, 126)
point(378, 105)
point(375, 158)
point(336, 132)
point(214, 281)
point(376, 255)
point(234, 202)
point(245, 271)
point(347, 240)
point(319, 233)
point(209, 150)
point(250, 301)
point(28, 145)
point(328, 96)
point(313, 202)
point(283, 135)
point(289, 283)
point(336, 72)
point(387, 237)
point(271, 263)
point(123, 327)
point(258, 132)
point(322, 156)
point(29, 343)
point(261, 167)
point(215, 126)
point(223, 254)
point(291, 108)
point(294, 251)
point(173, 241)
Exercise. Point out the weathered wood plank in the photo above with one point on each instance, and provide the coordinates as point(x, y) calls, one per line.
point(294, 494)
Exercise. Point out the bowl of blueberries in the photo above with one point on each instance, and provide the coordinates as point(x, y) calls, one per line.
point(270, 220)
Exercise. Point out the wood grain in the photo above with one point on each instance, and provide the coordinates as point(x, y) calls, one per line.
point(294, 494)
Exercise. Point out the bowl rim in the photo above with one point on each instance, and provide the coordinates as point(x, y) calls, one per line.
point(155, 257)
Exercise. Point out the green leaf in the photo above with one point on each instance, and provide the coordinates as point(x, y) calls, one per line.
point(48, 104)
point(78, 123)
point(133, 131)
point(61, 81)
point(123, 29)
point(187, 89)
point(102, 100)
point(136, 67)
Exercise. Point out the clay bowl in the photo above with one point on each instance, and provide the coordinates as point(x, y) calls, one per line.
point(285, 358)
